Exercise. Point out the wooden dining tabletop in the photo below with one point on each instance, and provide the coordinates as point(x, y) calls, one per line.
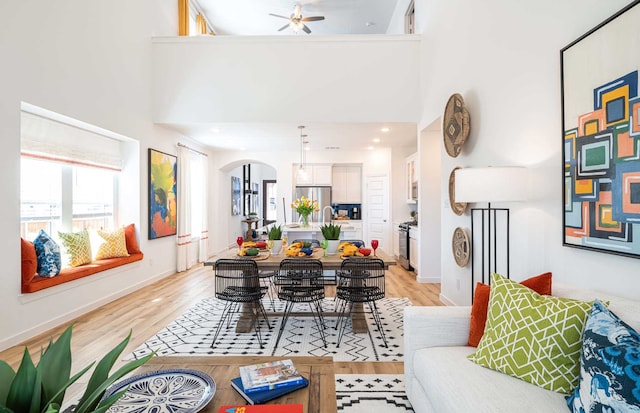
point(271, 262)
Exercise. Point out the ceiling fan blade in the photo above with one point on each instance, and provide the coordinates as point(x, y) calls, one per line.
point(277, 15)
point(306, 29)
point(312, 18)
point(283, 27)
point(297, 11)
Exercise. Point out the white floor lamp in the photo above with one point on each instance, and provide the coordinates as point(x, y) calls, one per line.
point(490, 184)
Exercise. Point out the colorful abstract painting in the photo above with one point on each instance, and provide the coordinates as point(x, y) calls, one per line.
point(601, 125)
point(163, 195)
point(236, 196)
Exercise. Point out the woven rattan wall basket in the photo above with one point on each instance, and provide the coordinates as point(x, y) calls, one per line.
point(456, 125)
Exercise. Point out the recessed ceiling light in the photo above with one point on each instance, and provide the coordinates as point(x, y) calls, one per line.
point(369, 24)
point(385, 129)
point(376, 140)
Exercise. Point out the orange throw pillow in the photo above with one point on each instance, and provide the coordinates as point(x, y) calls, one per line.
point(130, 239)
point(29, 261)
point(540, 284)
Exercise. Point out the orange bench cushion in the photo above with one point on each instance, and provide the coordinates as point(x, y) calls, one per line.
point(38, 283)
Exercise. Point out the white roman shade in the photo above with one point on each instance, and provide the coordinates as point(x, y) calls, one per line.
point(57, 140)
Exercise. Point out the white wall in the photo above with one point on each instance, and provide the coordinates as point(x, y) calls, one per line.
point(286, 79)
point(503, 57)
point(90, 61)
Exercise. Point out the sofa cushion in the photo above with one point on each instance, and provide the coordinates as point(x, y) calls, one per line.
point(540, 284)
point(533, 337)
point(130, 238)
point(48, 254)
point(609, 365)
point(29, 260)
point(77, 247)
point(113, 246)
point(453, 384)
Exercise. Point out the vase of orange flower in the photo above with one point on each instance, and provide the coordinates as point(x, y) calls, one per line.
point(305, 206)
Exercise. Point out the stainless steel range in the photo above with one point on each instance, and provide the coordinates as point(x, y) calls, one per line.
point(403, 239)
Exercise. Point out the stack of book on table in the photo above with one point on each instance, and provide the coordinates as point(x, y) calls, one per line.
point(259, 383)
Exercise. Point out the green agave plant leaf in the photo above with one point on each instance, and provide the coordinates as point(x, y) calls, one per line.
point(18, 399)
point(6, 377)
point(36, 395)
point(5, 409)
point(67, 384)
point(55, 367)
point(107, 402)
point(52, 408)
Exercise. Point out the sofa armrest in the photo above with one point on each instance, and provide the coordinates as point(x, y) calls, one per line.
point(426, 326)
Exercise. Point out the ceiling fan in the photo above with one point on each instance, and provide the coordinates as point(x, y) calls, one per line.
point(296, 21)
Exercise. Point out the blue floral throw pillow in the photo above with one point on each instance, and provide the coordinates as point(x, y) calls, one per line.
point(609, 366)
point(48, 254)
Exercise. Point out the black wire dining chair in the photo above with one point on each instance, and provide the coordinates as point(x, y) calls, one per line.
point(360, 280)
point(299, 280)
point(237, 282)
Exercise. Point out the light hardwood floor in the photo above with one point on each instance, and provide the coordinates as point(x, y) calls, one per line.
point(149, 309)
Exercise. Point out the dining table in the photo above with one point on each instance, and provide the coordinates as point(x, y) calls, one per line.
point(266, 261)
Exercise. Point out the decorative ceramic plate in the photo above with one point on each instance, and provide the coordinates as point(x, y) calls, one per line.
point(460, 247)
point(262, 255)
point(172, 390)
point(458, 208)
point(455, 125)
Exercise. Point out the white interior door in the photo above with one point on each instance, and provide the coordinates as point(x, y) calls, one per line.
point(377, 207)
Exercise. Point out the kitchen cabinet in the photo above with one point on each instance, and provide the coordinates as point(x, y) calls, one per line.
point(347, 184)
point(411, 179)
point(315, 175)
point(414, 249)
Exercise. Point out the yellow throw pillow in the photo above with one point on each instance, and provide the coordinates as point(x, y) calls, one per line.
point(114, 244)
point(77, 247)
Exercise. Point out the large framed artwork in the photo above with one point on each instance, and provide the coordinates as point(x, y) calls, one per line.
point(236, 196)
point(601, 136)
point(163, 194)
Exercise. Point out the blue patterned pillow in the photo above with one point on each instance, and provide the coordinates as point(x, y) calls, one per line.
point(48, 254)
point(609, 365)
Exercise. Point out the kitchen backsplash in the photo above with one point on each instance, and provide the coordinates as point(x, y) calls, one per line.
point(353, 211)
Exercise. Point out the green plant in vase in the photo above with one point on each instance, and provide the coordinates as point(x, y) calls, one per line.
point(41, 388)
point(331, 233)
point(275, 239)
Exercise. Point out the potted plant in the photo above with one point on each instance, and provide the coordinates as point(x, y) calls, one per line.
point(275, 236)
point(40, 388)
point(331, 233)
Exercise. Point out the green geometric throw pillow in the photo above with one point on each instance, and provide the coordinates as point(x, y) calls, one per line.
point(533, 337)
point(77, 247)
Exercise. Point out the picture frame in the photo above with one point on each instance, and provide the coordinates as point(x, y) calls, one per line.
point(601, 137)
point(236, 196)
point(163, 194)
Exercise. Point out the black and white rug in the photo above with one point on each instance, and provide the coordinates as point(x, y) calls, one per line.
point(366, 393)
point(192, 333)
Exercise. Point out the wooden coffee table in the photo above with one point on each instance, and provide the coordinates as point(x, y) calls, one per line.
point(318, 397)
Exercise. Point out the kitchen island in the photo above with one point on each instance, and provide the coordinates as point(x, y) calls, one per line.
point(350, 229)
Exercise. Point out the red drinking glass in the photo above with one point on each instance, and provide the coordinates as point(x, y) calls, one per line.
point(374, 245)
point(239, 241)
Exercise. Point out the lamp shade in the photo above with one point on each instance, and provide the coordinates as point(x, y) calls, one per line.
point(491, 184)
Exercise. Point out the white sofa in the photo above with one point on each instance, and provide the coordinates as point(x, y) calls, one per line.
point(439, 378)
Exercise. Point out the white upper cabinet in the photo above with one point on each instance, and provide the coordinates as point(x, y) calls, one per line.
point(347, 184)
point(314, 175)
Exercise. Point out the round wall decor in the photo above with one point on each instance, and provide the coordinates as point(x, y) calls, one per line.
point(458, 208)
point(456, 125)
point(460, 247)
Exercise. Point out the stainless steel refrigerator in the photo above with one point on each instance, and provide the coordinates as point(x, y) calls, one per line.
point(322, 194)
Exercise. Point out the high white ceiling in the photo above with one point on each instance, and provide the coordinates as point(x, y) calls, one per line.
point(320, 136)
point(251, 17)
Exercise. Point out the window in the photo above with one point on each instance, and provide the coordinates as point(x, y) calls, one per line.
point(56, 197)
point(269, 193)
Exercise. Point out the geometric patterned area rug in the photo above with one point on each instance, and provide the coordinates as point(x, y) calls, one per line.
point(192, 333)
point(367, 393)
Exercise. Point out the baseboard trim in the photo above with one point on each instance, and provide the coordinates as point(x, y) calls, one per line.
point(446, 300)
point(41, 328)
point(431, 280)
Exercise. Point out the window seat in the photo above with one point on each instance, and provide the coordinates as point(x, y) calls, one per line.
point(38, 283)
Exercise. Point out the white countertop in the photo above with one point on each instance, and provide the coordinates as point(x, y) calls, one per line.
point(315, 227)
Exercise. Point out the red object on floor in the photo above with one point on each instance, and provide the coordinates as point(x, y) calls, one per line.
point(262, 408)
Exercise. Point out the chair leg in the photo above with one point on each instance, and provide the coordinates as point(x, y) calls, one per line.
point(256, 323)
point(264, 313)
point(317, 318)
point(343, 321)
point(226, 312)
point(285, 317)
point(376, 318)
